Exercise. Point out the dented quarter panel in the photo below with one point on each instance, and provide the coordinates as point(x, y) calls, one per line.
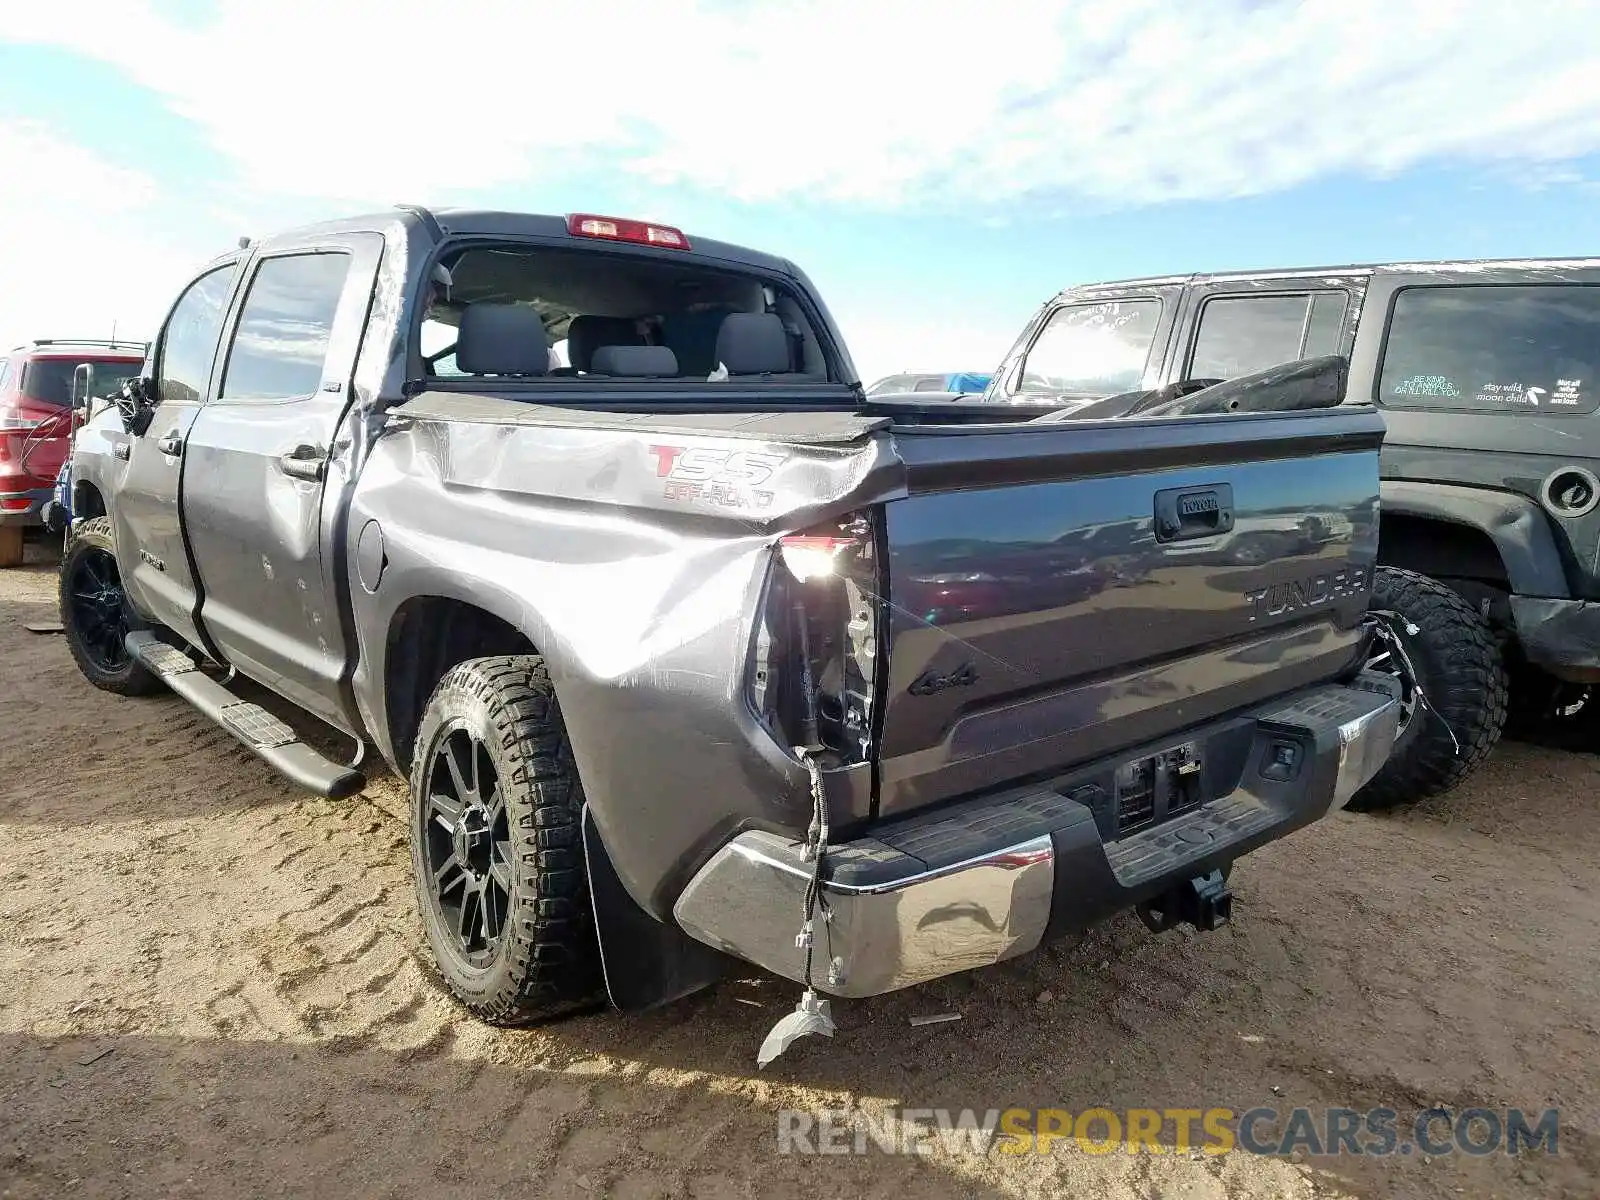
point(639, 595)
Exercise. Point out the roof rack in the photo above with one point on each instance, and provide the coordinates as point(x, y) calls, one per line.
point(142, 347)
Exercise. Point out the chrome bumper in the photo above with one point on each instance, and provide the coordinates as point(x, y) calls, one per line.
point(894, 932)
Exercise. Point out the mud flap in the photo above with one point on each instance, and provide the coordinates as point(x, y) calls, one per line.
point(646, 962)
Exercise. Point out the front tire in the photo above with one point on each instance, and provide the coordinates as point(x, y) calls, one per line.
point(497, 845)
point(96, 615)
point(1459, 667)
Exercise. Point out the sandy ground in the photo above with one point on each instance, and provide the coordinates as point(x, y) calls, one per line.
point(213, 985)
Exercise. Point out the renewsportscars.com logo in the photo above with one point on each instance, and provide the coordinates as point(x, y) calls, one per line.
point(1373, 1132)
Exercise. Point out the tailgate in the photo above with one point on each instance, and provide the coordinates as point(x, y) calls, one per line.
point(1060, 592)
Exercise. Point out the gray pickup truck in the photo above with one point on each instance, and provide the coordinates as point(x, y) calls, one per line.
point(690, 652)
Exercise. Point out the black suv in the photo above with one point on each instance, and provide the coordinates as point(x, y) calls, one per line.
point(1488, 375)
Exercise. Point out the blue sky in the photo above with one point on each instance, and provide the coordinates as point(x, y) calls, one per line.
point(937, 170)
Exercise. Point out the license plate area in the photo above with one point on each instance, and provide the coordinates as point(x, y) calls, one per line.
point(1151, 789)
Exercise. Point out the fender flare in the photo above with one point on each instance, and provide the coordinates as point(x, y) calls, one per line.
point(1516, 525)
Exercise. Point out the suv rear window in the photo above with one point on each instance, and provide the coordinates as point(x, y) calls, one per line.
point(1091, 349)
point(49, 380)
point(1492, 348)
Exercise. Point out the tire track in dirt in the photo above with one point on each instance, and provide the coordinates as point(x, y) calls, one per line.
point(254, 959)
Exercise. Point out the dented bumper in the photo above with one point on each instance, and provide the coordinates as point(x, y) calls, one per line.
point(991, 878)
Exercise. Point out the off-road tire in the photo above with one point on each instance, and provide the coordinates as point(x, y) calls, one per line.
point(13, 547)
point(547, 961)
point(1464, 679)
point(130, 677)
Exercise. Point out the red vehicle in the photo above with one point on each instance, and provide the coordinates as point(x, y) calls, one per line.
point(36, 421)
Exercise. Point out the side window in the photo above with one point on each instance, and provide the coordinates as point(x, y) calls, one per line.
point(1242, 334)
point(5, 374)
point(1494, 348)
point(281, 345)
point(1094, 349)
point(189, 342)
point(1325, 328)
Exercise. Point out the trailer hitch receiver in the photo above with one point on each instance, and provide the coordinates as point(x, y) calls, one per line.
point(1204, 902)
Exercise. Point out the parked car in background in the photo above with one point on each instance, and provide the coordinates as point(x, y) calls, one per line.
point(1488, 376)
point(36, 422)
point(959, 383)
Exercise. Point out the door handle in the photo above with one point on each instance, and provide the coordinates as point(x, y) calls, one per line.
point(1194, 512)
point(303, 462)
point(172, 444)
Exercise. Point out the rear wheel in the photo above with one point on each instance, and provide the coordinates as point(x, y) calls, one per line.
point(96, 615)
point(1462, 678)
point(11, 546)
point(497, 844)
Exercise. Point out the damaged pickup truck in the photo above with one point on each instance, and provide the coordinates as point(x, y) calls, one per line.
point(693, 655)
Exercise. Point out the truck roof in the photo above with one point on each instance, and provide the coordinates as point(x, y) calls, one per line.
point(1463, 264)
point(496, 223)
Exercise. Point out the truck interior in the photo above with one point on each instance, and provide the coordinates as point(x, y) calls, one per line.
point(517, 314)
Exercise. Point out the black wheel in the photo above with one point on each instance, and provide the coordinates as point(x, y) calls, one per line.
point(96, 616)
point(497, 845)
point(1458, 665)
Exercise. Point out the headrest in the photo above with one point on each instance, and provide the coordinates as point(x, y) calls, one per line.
point(502, 339)
point(586, 334)
point(635, 362)
point(753, 344)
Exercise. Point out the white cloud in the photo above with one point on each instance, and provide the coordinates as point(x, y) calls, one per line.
point(80, 253)
point(886, 104)
point(319, 105)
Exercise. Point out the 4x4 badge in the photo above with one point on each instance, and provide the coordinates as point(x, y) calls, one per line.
point(931, 682)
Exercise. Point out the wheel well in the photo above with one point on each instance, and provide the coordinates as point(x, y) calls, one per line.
point(87, 502)
point(1441, 549)
point(428, 636)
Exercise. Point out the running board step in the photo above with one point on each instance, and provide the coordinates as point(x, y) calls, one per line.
point(258, 730)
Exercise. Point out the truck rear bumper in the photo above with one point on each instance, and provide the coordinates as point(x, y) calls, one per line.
point(991, 878)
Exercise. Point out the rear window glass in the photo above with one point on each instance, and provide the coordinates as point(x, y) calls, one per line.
point(1091, 349)
point(1494, 349)
point(667, 316)
point(49, 380)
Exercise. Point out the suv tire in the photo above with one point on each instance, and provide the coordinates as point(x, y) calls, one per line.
point(1459, 666)
point(95, 614)
point(497, 845)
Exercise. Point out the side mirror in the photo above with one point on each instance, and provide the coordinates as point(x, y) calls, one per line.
point(82, 379)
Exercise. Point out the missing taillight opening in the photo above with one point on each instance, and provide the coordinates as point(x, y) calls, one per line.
point(814, 675)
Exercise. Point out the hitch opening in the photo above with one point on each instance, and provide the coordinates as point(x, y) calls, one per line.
point(1204, 902)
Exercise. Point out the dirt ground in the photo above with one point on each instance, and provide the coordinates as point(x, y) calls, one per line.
point(213, 985)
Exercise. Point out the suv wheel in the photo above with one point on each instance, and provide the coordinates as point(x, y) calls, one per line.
point(96, 615)
point(497, 844)
point(1463, 679)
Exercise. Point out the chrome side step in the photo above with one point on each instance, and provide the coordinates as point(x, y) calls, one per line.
point(274, 742)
